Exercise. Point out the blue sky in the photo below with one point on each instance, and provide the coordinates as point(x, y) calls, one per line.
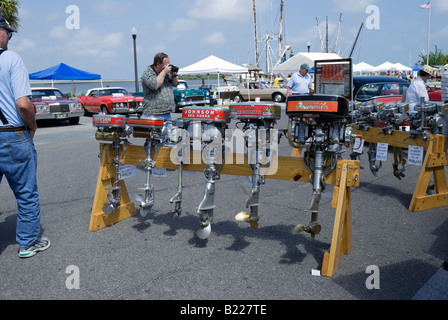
point(190, 30)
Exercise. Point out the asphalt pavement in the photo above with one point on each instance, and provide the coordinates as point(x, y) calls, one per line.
point(160, 258)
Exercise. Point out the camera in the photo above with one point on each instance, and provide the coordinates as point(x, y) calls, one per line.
point(174, 68)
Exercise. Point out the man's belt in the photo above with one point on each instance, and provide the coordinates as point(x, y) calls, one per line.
point(12, 129)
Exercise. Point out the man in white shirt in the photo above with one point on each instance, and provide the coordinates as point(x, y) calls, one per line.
point(300, 82)
point(417, 90)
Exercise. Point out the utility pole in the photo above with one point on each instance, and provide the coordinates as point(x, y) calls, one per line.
point(256, 36)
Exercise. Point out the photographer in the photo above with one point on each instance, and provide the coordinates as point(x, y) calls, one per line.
point(157, 81)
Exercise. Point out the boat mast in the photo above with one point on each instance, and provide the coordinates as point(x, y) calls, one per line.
point(337, 34)
point(280, 33)
point(320, 35)
point(356, 40)
point(255, 36)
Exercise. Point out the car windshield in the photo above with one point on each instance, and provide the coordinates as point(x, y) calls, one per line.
point(257, 85)
point(47, 93)
point(109, 92)
point(373, 90)
point(182, 86)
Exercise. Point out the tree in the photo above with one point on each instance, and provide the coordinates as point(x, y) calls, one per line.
point(436, 58)
point(10, 10)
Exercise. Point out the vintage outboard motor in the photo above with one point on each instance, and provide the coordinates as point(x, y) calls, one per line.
point(113, 128)
point(207, 130)
point(426, 119)
point(317, 123)
point(366, 116)
point(258, 121)
point(154, 130)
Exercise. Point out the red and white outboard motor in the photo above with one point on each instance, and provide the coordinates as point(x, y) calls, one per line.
point(258, 121)
point(154, 129)
point(207, 130)
point(113, 128)
point(317, 123)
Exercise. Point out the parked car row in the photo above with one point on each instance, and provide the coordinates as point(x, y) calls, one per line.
point(51, 103)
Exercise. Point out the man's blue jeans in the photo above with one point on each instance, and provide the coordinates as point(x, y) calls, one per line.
point(18, 163)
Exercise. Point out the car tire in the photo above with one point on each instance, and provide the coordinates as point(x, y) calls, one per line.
point(73, 121)
point(104, 109)
point(278, 97)
point(238, 98)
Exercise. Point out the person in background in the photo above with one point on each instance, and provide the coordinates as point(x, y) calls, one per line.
point(158, 81)
point(300, 82)
point(18, 156)
point(417, 89)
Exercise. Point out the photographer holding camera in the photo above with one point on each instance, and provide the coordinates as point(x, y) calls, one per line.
point(157, 81)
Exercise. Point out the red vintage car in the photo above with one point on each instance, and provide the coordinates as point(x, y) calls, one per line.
point(110, 100)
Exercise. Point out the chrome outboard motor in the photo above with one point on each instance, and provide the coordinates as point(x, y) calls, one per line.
point(366, 116)
point(152, 128)
point(113, 128)
point(317, 123)
point(207, 129)
point(258, 127)
point(426, 119)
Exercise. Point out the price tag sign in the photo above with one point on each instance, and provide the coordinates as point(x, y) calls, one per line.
point(381, 151)
point(415, 155)
point(358, 145)
point(127, 171)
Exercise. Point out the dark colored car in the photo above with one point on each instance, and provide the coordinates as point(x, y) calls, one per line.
point(379, 88)
point(185, 96)
point(51, 103)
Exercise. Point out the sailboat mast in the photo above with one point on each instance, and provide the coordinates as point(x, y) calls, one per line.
point(337, 35)
point(280, 33)
point(255, 36)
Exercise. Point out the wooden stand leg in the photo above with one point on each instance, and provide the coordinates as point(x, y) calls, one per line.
point(434, 163)
point(341, 242)
point(126, 209)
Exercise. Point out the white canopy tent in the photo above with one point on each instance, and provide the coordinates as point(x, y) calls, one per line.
point(400, 67)
point(213, 65)
point(386, 66)
point(363, 67)
point(293, 64)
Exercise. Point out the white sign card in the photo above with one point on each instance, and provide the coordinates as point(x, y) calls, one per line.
point(126, 171)
point(381, 151)
point(415, 155)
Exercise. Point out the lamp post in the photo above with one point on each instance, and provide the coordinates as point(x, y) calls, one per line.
point(308, 46)
point(134, 36)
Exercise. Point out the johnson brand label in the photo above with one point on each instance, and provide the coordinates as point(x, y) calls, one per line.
point(206, 114)
point(109, 121)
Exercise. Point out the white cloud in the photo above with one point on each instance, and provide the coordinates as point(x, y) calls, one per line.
point(216, 38)
point(22, 45)
point(353, 6)
point(229, 10)
point(183, 25)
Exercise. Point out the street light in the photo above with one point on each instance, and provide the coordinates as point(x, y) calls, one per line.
point(308, 45)
point(134, 36)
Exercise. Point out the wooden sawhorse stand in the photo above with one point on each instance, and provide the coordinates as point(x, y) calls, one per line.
point(434, 163)
point(345, 176)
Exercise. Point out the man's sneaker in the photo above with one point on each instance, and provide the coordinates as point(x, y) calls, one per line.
point(41, 244)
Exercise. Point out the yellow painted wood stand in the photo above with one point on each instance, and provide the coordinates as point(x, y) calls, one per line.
point(290, 168)
point(433, 164)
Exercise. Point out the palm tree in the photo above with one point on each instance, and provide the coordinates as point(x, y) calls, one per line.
point(10, 10)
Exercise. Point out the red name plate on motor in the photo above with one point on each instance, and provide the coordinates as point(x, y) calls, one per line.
point(310, 106)
point(255, 111)
point(316, 104)
point(102, 120)
point(206, 114)
point(146, 122)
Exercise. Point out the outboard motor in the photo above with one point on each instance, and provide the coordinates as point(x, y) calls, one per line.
point(207, 128)
point(426, 119)
point(366, 116)
point(154, 130)
point(317, 123)
point(258, 127)
point(113, 128)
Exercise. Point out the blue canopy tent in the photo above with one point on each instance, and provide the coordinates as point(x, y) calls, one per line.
point(64, 72)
